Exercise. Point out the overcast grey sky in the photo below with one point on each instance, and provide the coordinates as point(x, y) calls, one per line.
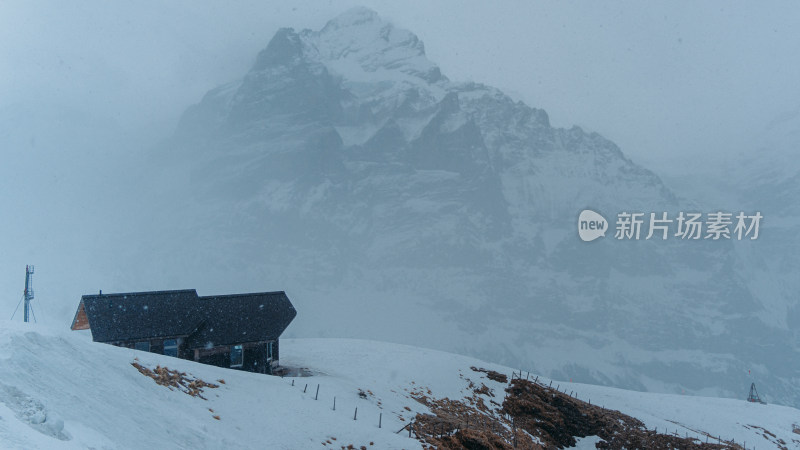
point(86, 85)
point(657, 77)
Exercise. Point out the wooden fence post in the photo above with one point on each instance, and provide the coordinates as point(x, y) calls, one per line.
point(514, 431)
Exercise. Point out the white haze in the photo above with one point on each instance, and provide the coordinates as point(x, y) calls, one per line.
point(87, 89)
point(86, 86)
point(658, 79)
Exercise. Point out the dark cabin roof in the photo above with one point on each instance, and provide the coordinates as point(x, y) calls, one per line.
point(204, 321)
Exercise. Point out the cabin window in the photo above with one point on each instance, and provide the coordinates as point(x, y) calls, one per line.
point(143, 346)
point(171, 347)
point(237, 356)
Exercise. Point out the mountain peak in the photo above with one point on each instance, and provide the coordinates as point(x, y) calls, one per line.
point(360, 39)
point(355, 16)
point(282, 48)
point(356, 42)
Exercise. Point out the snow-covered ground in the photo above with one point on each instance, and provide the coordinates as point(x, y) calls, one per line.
point(60, 390)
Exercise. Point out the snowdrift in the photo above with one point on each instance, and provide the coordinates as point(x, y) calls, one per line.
point(60, 390)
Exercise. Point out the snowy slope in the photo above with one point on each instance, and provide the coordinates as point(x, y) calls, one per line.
point(60, 390)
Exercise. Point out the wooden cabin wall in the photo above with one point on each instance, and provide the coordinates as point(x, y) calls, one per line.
point(157, 346)
point(256, 354)
point(81, 320)
point(215, 356)
point(184, 352)
point(256, 357)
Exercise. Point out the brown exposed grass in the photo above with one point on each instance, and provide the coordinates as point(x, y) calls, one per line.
point(474, 440)
point(557, 419)
point(534, 416)
point(174, 379)
point(492, 375)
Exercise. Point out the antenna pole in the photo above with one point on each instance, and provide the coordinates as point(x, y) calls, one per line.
point(28, 294)
point(753, 397)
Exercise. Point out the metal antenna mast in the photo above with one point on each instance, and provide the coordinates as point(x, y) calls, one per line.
point(753, 397)
point(28, 294)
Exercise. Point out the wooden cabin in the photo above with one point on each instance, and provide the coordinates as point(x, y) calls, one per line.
point(236, 331)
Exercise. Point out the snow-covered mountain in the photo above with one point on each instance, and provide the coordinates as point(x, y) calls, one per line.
point(766, 177)
point(59, 390)
point(393, 203)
